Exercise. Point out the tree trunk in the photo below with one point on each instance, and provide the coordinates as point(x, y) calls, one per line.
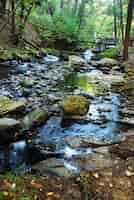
point(81, 12)
point(3, 6)
point(75, 6)
point(128, 29)
point(61, 4)
point(121, 19)
point(115, 19)
point(13, 19)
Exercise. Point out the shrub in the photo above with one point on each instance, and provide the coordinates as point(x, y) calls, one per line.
point(110, 53)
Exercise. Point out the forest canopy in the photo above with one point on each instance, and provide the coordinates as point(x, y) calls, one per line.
point(69, 22)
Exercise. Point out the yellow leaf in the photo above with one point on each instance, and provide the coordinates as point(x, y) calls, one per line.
point(50, 194)
point(5, 193)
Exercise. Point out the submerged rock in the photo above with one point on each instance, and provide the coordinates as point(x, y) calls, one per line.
point(34, 118)
point(75, 105)
point(7, 105)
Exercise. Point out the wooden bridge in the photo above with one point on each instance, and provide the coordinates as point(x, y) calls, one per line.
point(104, 43)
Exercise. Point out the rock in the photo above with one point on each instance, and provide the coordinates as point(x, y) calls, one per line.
point(8, 123)
point(54, 98)
point(27, 92)
point(8, 106)
point(34, 118)
point(93, 161)
point(77, 63)
point(107, 62)
point(116, 68)
point(75, 105)
point(27, 83)
point(53, 165)
point(79, 141)
point(9, 130)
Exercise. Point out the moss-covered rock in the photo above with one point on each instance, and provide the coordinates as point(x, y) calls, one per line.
point(34, 118)
point(28, 83)
point(7, 105)
point(75, 105)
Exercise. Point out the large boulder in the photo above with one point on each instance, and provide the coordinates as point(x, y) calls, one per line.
point(107, 62)
point(75, 105)
point(34, 118)
point(7, 105)
point(77, 63)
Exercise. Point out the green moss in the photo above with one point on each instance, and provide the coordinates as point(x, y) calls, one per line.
point(75, 105)
point(7, 105)
point(84, 83)
point(85, 184)
point(50, 51)
point(18, 52)
point(109, 53)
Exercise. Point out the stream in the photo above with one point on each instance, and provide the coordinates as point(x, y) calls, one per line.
point(68, 140)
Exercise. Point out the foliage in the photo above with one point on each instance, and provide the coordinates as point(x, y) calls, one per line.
point(57, 27)
point(20, 187)
point(85, 184)
point(110, 53)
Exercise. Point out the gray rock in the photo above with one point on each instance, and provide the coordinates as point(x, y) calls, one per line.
point(34, 118)
point(8, 123)
point(107, 62)
point(52, 165)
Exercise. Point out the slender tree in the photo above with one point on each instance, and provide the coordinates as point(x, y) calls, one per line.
point(128, 28)
point(81, 12)
point(61, 4)
point(2, 6)
point(121, 19)
point(13, 19)
point(75, 6)
point(115, 19)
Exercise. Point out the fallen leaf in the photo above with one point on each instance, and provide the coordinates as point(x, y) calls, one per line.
point(6, 184)
point(50, 193)
point(5, 193)
point(37, 186)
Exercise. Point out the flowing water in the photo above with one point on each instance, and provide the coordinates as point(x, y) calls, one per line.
point(64, 136)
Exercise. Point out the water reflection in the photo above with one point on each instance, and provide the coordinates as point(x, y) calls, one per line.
point(83, 82)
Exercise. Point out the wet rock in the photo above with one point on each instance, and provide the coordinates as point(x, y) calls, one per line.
point(77, 63)
point(116, 68)
point(34, 118)
point(8, 123)
point(54, 98)
point(86, 142)
point(94, 161)
point(26, 92)
point(107, 62)
point(124, 149)
point(28, 83)
point(7, 105)
point(9, 130)
point(52, 165)
point(75, 105)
